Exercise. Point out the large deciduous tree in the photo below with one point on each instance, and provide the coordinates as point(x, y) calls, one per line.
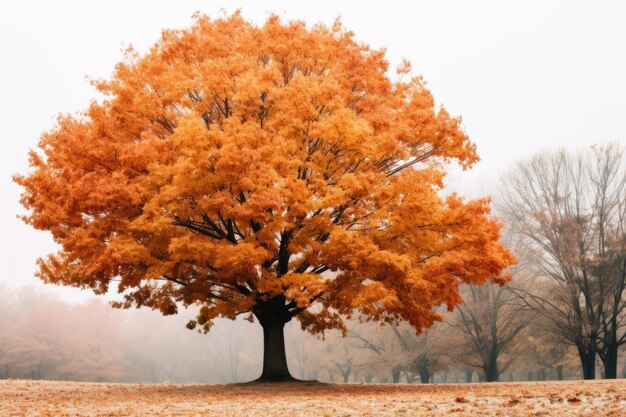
point(274, 171)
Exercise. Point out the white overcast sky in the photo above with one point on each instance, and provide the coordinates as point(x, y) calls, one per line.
point(525, 75)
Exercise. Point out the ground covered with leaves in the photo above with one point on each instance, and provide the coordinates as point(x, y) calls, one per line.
point(57, 398)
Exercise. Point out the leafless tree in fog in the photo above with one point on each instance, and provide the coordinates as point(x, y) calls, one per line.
point(570, 209)
point(488, 321)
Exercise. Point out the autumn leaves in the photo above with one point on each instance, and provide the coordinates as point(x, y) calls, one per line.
point(234, 165)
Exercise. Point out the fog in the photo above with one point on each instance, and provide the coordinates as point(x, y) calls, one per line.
point(533, 76)
point(43, 337)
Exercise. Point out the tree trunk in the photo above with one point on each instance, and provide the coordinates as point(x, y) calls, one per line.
point(395, 375)
point(346, 377)
point(491, 371)
point(587, 361)
point(609, 358)
point(559, 372)
point(468, 375)
point(424, 375)
point(273, 315)
point(274, 357)
point(345, 373)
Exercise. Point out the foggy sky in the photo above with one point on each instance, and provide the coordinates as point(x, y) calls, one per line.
point(525, 77)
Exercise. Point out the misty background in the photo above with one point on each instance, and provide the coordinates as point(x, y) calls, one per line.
point(525, 77)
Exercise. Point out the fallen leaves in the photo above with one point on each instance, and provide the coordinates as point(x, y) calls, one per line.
point(60, 398)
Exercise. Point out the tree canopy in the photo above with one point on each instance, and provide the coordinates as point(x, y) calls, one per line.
point(274, 171)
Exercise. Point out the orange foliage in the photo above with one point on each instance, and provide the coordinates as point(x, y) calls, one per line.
point(234, 164)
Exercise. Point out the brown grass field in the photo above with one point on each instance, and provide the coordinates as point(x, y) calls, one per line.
point(57, 398)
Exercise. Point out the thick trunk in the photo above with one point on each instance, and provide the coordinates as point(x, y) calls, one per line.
point(273, 316)
point(589, 368)
point(609, 358)
point(610, 365)
point(274, 357)
point(587, 361)
point(491, 376)
point(491, 371)
point(424, 375)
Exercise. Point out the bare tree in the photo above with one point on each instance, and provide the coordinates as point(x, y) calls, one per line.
point(570, 210)
point(397, 348)
point(345, 357)
point(488, 320)
point(426, 353)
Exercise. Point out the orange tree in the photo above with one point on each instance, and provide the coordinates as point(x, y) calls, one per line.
point(273, 171)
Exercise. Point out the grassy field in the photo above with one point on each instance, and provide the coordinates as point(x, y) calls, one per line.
point(571, 398)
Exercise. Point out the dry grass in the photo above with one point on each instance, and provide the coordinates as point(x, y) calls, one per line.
point(54, 398)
